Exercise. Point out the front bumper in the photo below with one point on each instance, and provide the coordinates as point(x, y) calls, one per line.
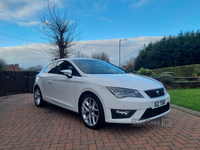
point(141, 109)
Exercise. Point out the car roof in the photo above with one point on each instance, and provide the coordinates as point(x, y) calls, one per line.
point(75, 59)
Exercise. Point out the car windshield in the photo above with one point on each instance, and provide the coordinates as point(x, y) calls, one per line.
point(97, 67)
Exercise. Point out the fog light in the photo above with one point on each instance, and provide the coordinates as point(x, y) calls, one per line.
point(117, 114)
point(122, 112)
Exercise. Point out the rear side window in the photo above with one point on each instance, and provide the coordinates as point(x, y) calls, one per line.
point(50, 68)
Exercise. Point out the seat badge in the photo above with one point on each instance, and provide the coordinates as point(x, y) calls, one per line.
point(158, 92)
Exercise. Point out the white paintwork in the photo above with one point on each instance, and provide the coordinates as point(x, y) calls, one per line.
point(65, 92)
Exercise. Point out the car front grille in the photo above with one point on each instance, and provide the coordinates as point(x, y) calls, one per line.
point(155, 93)
point(154, 112)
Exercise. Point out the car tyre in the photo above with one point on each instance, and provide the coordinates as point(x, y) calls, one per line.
point(91, 111)
point(39, 102)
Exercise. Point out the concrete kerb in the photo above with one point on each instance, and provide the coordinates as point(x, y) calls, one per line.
point(190, 111)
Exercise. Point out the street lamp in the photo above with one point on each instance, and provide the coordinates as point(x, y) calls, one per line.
point(120, 50)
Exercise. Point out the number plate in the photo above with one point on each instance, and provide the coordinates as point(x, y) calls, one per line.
point(159, 104)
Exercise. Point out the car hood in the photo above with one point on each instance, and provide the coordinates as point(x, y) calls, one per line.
point(131, 81)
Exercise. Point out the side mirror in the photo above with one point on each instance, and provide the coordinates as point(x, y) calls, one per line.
point(67, 72)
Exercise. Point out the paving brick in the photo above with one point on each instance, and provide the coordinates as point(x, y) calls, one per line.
point(132, 138)
point(123, 145)
point(116, 148)
point(162, 148)
point(104, 148)
point(136, 146)
point(106, 140)
point(69, 145)
point(111, 144)
point(152, 143)
point(140, 142)
point(148, 146)
point(80, 146)
point(116, 140)
point(128, 142)
point(60, 148)
point(174, 147)
point(178, 144)
point(99, 143)
point(165, 143)
point(57, 145)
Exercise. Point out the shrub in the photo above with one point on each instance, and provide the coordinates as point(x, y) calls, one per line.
point(146, 72)
point(166, 78)
point(179, 71)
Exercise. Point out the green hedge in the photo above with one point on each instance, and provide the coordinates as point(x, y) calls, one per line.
point(179, 71)
point(146, 72)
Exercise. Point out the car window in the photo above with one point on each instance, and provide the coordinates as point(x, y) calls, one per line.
point(50, 68)
point(97, 67)
point(62, 65)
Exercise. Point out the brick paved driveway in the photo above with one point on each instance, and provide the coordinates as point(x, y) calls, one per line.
point(24, 126)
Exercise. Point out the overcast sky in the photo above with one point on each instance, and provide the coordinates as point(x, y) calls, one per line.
point(102, 23)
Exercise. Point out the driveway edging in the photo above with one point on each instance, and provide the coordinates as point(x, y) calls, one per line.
point(190, 111)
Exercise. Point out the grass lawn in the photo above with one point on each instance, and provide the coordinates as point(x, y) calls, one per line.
point(189, 98)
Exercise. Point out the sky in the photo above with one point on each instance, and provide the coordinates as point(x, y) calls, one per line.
point(102, 24)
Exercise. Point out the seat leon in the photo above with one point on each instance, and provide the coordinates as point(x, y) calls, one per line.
point(100, 92)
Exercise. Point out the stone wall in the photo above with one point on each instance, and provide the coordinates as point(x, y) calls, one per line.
point(183, 85)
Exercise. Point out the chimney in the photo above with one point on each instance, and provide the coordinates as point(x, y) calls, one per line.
point(16, 67)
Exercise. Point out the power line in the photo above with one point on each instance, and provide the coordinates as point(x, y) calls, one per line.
point(104, 45)
point(74, 45)
point(19, 38)
point(131, 53)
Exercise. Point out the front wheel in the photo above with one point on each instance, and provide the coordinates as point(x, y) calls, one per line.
point(39, 102)
point(92, 112)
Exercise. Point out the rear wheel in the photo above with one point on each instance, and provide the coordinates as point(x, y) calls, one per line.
point(39, 102)
point(92, 111)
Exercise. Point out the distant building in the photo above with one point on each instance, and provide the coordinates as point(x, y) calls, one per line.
point(12, 67)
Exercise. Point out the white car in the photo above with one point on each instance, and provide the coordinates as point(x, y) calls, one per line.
point(100, 92)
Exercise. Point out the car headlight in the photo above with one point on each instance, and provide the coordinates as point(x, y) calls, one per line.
point(123, 92)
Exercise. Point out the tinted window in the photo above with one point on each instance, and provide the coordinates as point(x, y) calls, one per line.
point(50, 68)
point(62, 65)
point(97, 67)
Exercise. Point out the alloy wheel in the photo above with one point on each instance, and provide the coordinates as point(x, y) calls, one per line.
point(37, 97)
point(90, 111)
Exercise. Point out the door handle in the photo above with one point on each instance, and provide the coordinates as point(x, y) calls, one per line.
point(50, 81)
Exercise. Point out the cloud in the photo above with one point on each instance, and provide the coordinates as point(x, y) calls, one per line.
point(140, 3)
point(22, 12)
point(34, 54)
point(106, 19)
point(26, 55)
point(99, 6)
point(18, 10)
point(31, 23)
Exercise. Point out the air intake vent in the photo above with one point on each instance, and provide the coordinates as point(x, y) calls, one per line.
point(155, 112)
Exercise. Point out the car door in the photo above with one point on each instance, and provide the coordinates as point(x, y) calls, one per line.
point(62, 88)
point(45, 77)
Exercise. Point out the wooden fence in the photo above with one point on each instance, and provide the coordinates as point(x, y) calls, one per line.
point(16, 82)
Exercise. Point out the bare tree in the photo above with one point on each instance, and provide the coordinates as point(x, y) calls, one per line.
point(80, 54)
point(35, 68)
point(58, 29)
point(129, 65)
point(2, 64)
point(102, 56)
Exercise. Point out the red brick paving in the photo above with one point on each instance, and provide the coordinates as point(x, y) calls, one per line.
point(26, 127)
